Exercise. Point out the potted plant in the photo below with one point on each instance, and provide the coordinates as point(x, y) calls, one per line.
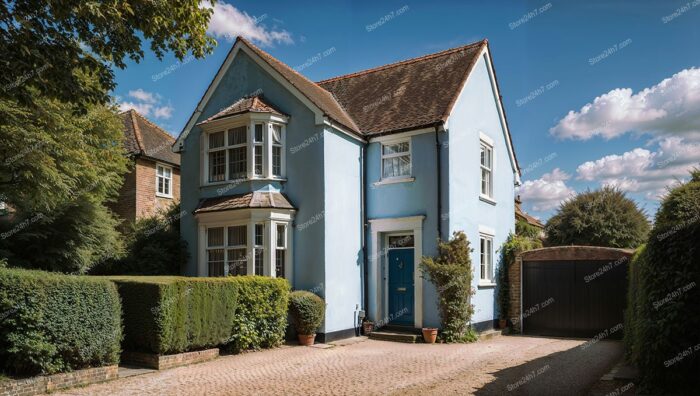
point(367, 327)
point(307, 311)
point(430, 335)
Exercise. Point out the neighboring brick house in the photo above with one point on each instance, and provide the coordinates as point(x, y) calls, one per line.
point(153, 182)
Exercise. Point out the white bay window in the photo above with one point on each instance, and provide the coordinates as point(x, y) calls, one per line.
point(244, 147)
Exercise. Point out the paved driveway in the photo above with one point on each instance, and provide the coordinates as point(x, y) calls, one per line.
point(503, 365)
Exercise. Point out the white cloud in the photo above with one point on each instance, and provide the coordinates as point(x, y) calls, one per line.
point(164, 112)
point(228, 22)
point(642, 170)
point(147, 104)
point(671, 107)
point(547, 192)
point(143, 96)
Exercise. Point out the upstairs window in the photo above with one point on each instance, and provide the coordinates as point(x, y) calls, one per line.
point(255, 150)
point(486, 170)
point(396, 160)
point(164, 181)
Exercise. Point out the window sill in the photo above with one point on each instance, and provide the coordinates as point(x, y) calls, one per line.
point(486, 285)
point(394, 181)
point(164, 196)
point(240, 181)
point(486, 199)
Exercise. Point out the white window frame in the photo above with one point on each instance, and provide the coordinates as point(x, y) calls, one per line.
point(248, 120)
point(488, 278)
point(485, 145)
point(383, 156)
point(169, 194)
point(249, 218)
point(283, 247)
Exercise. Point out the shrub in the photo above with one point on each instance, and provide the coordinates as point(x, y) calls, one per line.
point(666, 342)
point(54, 323)
point(154, 247)
point(635, 302)
point(261, 312)
point(513, 246)
point(604, 217)
point(167, 315)
point(307, 311)
point(451, 273)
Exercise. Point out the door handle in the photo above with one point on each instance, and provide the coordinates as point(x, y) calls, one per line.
point(401, 289)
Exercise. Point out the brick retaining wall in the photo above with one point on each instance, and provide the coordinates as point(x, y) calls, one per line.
point(162, 362)
point(49, 383)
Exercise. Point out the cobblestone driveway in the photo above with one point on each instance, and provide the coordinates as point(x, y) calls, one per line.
point(512, 365)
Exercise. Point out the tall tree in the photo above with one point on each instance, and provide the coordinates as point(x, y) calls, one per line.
point(57, 169)
point(47, 45)
point(604, 217)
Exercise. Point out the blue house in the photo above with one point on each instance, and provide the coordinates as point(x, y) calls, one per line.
point(340, 186)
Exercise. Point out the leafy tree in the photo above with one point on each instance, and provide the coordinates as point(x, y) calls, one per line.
point(47, 45)
point(49, 156)
point(71, 239)
point(451, 272)
point(154, 247)
point(56, 171)
point(604, 217)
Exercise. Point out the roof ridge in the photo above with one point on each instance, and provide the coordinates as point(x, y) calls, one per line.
point(404, 62)
point(137, 130)
point(151, 123)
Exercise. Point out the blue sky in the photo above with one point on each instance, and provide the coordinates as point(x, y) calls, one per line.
point(552, 58)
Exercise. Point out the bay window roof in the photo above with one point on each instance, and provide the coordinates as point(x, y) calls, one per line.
point(251, 200)
point(251, 104)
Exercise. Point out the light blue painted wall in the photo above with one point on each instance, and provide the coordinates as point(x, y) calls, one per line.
point(476, 111)
point(407, 199)
point(304, 170)
point(343, 217)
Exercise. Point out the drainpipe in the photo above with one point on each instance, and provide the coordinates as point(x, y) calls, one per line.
point(439, 183)
point(365, 269)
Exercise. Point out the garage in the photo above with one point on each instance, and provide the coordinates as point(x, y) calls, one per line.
point(573, 291)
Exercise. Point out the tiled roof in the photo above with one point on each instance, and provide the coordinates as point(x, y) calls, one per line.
point(142, 137)
point(256, 199)
point(254, 104)
point(317, 95)
point(411, 94)
point(520, 213)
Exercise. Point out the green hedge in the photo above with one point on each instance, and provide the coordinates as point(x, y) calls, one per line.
point(171, 314)
point(53, 323)
point(307, 311)
point(665, 295)
point(261, 314)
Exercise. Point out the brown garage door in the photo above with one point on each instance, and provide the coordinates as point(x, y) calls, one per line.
point(574, 298)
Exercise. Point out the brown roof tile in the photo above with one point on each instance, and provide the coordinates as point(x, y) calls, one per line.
point(254, 104)
point(256, 199)
point(142, 137)
point(411, 94)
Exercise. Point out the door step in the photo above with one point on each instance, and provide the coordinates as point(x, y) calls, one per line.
point(489, 334)
point(395, 336)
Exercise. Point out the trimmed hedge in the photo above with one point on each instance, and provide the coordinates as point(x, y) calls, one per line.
point(307, 311)
point(172, 314)
point(52, 323)
point(261, 313)
point(665, 295)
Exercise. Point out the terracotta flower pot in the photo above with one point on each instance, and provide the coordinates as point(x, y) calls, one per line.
point(367, 328)
point(306, 339)
point(429, 335)
point(502, 323)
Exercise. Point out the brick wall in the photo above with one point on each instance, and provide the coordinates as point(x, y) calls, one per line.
point(147, 203)
point(137, 197)
point(514, 294)
point(50, 383)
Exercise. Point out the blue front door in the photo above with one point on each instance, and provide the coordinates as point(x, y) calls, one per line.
point(400, 286)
